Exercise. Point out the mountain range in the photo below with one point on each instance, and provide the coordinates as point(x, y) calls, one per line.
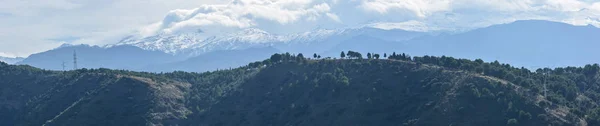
point(11, 60)
point(530, 43)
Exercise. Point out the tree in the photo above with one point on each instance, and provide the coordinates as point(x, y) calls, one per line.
point(376, 56)
point(512, 122)
point(384, 55)
point(358, 55)
point(342, 55)
point(276, 57)
point(315, 55)
point(352, 54)
point(479, 70)
point(300, 56)
point(369, 55)
point(319, 56)
point(593, 118)
point(479, 61)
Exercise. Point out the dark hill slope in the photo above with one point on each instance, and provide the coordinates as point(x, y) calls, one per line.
point(377, 92)
point(29, 96)
point(295, 91)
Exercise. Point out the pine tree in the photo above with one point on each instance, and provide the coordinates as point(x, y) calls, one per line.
point(300, 57)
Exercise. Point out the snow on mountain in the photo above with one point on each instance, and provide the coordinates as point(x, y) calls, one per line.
point(192, 44)
point(171, 44)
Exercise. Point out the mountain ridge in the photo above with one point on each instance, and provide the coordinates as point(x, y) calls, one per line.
point(190, 44)
point(291, 90)
point(11, 60)
point(531, 44)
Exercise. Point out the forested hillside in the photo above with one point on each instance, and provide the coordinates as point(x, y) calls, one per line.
point(289, 89)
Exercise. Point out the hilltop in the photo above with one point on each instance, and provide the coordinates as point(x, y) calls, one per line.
point(293, 90)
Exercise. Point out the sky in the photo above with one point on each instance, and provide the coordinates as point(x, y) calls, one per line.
point(31, 26)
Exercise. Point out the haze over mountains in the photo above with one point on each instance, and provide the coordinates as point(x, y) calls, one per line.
point(300, 63)
point(531, 43)
point(11, 60)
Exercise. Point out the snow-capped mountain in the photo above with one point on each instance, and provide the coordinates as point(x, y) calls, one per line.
point(171, 44)
point(193, 44)
point(524, 43)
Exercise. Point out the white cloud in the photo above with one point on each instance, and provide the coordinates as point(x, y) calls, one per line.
point(334, 17)
point(240, 14)
point(421, 8)
point(411, 25)
point(468, 14)
point(7, 55)
point(29, 7)
point(30, 26)
point(566, 5)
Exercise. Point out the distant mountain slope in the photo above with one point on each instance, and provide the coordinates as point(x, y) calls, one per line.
point(118, 57)
point(133, 58)
point(10, 60)
point(531, 43)
point(289, 90)
point(193, 44)
point(352, 37)
point(190, 52)
point(364, 43)
point(211, 61)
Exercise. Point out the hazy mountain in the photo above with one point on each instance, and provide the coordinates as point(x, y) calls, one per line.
point(225, 59)
point(523, 43)
point(193, 44)
point(347, 37)
point(364, 43)
point(191, 52)
point(317, 41)
point(11, 60)
point(134, 58)
point(117, 57)
point(288, 90)
point(532, 44)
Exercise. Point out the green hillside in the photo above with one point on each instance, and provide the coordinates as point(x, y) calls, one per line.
point(293, 90)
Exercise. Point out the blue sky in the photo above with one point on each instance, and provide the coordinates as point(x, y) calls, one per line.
point(30, 26)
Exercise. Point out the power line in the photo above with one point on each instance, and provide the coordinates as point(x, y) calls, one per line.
point(74, 60)
point(545, 81)
point(64, 66)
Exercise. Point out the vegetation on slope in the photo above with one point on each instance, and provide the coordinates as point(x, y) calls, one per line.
point(293, 90)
